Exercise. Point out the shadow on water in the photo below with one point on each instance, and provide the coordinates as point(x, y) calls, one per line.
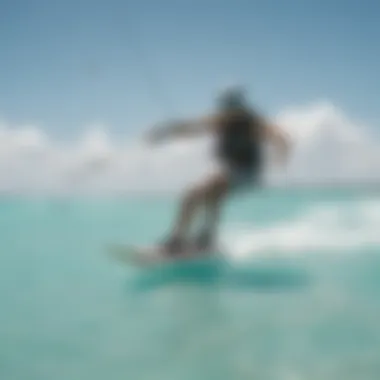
point(221, 274)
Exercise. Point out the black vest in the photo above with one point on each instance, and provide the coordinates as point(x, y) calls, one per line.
point(239, 139)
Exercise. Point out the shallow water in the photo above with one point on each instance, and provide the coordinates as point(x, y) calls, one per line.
point(298, 296)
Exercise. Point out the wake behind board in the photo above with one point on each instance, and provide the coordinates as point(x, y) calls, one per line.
point(148, 256)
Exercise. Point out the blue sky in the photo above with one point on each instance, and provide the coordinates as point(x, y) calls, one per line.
point(127, 64)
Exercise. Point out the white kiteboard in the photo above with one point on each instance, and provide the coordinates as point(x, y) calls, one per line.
point(145, 256)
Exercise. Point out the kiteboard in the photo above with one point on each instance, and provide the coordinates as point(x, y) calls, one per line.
point(147, 256)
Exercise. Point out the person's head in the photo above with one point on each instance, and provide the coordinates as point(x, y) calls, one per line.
point(232, 98)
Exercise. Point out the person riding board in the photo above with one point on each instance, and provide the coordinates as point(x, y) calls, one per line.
point(240, 134)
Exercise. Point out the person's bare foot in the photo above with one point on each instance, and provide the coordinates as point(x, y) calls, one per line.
point(173, 246)
point(205, 242)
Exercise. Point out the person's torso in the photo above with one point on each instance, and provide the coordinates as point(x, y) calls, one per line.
point(239, 139)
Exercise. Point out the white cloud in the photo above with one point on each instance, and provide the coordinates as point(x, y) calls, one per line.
point(328, 146)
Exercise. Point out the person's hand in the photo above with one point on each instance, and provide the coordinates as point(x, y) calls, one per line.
point(152, 136)
point(156, 134)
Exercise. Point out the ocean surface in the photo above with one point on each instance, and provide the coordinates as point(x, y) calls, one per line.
point(295, 296)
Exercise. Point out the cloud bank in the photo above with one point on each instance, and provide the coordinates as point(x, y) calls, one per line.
point(328, 147)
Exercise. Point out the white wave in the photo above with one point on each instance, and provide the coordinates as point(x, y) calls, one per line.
point(328, 146)
point(334, 227)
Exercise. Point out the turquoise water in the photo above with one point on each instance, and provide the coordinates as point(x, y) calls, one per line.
point(297, 298)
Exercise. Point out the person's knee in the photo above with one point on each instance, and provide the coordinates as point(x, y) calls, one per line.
point(195, 195)
point(216, 190)
point(210, 191)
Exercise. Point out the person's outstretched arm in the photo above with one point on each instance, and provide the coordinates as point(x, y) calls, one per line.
point(176, 129)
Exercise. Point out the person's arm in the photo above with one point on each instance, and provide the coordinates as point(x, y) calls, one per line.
point(279, 139)
point(182, 129)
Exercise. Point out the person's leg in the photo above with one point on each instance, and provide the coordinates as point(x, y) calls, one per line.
point(209, 194)
point(234, 180)
point(212, 208)
point(190, 203)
